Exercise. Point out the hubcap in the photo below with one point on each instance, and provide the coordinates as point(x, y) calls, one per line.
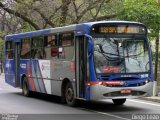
point(25, 89)
point(69, 95)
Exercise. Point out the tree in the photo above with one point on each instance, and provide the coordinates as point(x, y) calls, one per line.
point(147, 12)
point(39, 14)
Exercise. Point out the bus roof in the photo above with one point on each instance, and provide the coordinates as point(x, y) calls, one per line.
point(82, 28)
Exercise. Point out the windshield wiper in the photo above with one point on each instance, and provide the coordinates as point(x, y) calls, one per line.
point(108, 57)
point(100, 50)
point(132, 55)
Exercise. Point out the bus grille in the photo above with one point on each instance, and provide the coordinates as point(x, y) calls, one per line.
point(118, 94)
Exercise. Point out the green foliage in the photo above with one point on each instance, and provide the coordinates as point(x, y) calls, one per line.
point(111, 7)
point(1, 46)
point(145, 11)
point(2, 34)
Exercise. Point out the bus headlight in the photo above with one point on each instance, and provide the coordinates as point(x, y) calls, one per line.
point(100, 83)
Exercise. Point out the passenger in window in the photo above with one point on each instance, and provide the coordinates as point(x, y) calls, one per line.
point(51, 41)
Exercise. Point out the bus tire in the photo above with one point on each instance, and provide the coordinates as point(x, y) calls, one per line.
point(25, 87)
point(69, 95)
point(119, 101)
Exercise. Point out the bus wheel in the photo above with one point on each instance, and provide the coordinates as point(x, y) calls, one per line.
point(69, 95)
point(25, 88)
point(119, 101)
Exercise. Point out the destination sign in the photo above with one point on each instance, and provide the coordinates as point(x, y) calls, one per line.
point(128, 29)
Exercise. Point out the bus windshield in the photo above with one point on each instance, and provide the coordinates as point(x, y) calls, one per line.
point(120, 54)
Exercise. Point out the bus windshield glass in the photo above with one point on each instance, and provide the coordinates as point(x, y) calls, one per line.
point(120, 54)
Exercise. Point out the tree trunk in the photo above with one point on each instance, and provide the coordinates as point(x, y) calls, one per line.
point(64, 9)
point(156, 58)
point(156, 65)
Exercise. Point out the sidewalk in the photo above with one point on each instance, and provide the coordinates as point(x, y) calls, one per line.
point(153, 99)
point(1, 76)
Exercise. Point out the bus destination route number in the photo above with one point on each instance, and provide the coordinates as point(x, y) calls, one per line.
point(120, 29)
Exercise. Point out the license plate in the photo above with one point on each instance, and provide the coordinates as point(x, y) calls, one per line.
point(124, 91)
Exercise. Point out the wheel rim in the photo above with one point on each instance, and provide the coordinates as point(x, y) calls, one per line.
point(69, 95)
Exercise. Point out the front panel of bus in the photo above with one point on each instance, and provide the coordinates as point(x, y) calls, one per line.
point(122, 61)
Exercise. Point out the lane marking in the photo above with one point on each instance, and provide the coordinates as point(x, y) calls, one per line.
point(111, 115)
point(107, 114)
point(158, 105)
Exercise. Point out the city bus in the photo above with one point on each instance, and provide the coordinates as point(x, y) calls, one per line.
point(91, 61)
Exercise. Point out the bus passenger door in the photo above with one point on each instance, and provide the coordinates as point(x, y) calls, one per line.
point(81, 65)
point(17, 62)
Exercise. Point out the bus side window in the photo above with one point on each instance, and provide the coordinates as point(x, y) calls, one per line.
point(37, 48)
point(9, 50)
point(66, 49)
point(25, 48)
point(51, 46)
point(52, 40)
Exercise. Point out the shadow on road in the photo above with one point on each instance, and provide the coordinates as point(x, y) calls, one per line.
point(106, 106)
point(41, 96)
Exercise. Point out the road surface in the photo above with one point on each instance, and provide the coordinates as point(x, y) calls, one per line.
point(14, 106)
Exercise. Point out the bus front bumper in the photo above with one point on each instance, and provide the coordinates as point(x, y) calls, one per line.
point(100, 92)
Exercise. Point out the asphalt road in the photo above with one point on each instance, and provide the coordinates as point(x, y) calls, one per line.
point(14, 106)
